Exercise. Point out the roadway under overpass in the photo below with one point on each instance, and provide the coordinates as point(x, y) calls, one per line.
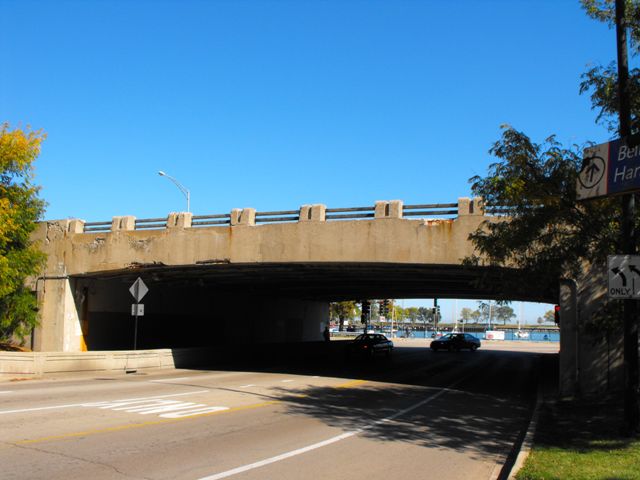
point(257, 303)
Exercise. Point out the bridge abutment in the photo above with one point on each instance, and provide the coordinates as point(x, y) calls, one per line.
point(60, 328)
point(591, 336)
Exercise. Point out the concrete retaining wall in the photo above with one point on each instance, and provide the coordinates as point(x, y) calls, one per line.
point(13, 364)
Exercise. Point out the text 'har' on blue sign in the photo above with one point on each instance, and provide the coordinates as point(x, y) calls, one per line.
point(611, 168)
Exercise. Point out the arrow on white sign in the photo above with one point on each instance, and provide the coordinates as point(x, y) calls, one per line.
point(623, 270)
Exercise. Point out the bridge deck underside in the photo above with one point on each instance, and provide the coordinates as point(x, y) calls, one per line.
point(346, 281)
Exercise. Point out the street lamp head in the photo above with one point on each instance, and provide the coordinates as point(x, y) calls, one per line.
point(181, 187)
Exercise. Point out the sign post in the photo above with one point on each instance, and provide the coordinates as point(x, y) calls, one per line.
point(138, 291)
point(628, 232)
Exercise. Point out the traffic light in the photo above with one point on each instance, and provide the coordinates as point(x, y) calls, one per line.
point(384, 308)
point(366, 307)
point(366, 310)
point(556, 314)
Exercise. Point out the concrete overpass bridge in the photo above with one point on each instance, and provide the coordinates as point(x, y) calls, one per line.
point(252, 276)
point(260, 277)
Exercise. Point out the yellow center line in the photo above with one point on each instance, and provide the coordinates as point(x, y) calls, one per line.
point(352, 383)
point(119, 428)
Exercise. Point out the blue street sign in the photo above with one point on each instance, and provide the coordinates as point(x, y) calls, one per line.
point(610, 168)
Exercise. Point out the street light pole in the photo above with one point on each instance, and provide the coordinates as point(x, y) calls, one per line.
point(181, 187)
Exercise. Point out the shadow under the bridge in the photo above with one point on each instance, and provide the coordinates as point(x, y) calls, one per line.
point(483, 413)
point(410, 365)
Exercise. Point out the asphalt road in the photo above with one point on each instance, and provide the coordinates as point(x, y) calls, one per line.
point(417, 415)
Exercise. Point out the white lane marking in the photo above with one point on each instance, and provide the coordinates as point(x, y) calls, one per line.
point(97, 404)
point(165, 380)
point(247, 386)
point(284, 456)
point(38, 409)
point(287, 381)
point(191, 413)
point(164, 408)
point(160, 406)
point(329, 441)
point(6, 391)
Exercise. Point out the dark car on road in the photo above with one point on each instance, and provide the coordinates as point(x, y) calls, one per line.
point(455, 341)
point(369, 344)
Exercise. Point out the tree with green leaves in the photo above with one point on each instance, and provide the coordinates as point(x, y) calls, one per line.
point(425, 315)
point(466, 315)
point(20, 209)
point(485, 311)
point(545, 231)
point(343, 311)
point(412, 314)
point(549, 316)
point(400, 313)
point(600, 80)
point(504, 313)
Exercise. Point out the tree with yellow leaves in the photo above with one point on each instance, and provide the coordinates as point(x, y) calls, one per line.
point(20, 209)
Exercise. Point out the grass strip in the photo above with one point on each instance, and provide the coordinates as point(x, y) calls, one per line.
point(582, 441)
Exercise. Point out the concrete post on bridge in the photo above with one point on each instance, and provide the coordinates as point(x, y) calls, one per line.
point(75, 226)
point(390, 209)
point(470, 206)
point(127, 222)
point(243, 216)
point(179, 220)
point(313, 213)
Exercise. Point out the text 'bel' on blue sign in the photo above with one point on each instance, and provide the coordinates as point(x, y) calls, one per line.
point(609, 169)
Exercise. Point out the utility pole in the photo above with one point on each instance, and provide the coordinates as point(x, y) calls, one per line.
point(628, 236)
point(435, 315)
point(489, 314)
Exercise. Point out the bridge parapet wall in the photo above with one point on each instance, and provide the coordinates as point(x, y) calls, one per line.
point(386, 232)
point(306, 213)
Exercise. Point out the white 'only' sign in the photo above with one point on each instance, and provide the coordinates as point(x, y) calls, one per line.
point(624, 276)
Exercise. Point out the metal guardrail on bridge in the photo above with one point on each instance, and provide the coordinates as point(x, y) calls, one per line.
point(441, 210)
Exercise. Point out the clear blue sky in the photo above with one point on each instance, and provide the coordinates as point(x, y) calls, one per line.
point(275, 104)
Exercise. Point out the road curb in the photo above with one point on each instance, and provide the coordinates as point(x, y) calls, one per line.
point(527, 442)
